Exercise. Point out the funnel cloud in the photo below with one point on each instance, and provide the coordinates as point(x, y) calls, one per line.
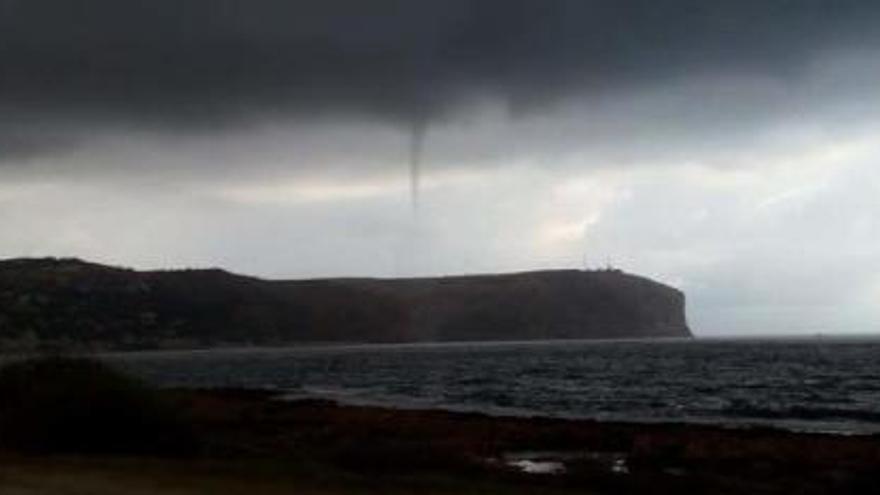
point(419, 133)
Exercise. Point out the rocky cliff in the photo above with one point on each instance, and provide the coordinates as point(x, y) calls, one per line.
point(70, 303)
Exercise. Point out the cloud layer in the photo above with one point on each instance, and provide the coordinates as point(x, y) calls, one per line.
point(170, 63)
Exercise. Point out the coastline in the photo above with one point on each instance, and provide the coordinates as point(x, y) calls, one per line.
point(371, 439)
point(113, 351)
point(251, 438)
point(410, 376)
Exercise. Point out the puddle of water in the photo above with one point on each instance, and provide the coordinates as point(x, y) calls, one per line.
point(560, 462)
point(619, 467)
point(538, 467)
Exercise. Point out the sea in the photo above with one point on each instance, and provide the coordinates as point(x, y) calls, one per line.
point(814, 385)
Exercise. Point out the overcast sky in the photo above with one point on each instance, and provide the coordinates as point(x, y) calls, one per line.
point(727, 148)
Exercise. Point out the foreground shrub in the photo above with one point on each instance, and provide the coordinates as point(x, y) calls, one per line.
point(76, 405)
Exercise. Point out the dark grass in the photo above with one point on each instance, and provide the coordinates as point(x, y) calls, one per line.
point(82, 406)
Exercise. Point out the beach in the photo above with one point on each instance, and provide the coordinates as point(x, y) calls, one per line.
point(255, 442)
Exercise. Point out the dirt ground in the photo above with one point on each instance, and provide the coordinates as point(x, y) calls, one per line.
point(78, 476)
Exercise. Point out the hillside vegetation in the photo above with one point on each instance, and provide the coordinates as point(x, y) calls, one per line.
point(68, 303)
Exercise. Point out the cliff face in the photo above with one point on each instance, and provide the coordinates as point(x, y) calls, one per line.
point(72, 303)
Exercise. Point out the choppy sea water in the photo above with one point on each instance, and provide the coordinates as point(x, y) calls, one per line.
point(808, 385)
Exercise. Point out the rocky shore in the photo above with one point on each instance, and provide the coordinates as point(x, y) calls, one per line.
point(576, 454)
point(256, 442)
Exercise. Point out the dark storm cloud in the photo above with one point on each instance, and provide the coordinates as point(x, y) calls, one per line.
point(177, 63)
